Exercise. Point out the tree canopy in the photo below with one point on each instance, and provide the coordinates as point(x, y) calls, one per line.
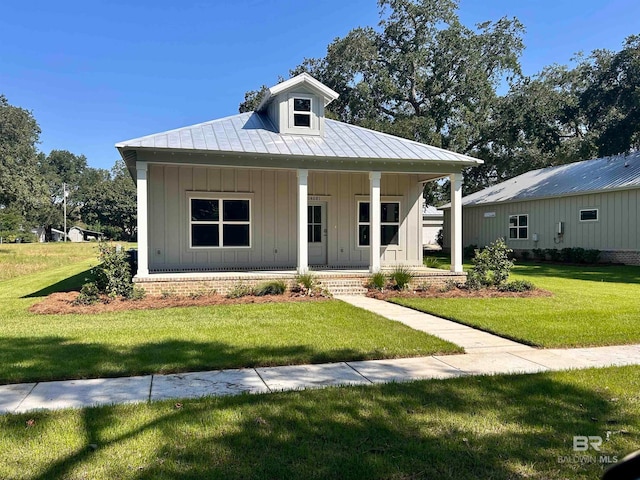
point(423, 75)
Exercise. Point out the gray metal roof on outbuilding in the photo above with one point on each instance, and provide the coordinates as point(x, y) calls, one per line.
point(602, 174)
point(254, 133)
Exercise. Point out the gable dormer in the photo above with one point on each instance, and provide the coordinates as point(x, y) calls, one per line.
point(296, 106)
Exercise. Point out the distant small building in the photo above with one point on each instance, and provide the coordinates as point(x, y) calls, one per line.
point(40, 233)
point(594, 204)
point(432, 220)
point(78, 234)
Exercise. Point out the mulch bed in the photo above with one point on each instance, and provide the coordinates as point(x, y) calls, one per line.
point(457, 293)
point(62, 303)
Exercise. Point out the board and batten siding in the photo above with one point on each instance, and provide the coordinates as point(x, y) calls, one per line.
point(617, 227)
point(273, 195)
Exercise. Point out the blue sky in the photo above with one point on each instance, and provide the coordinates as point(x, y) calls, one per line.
point(98, 72)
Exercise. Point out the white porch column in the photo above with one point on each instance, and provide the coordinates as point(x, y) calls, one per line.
point(374, 221)
point(143, 236)
point(303, 240)
point(456, 222)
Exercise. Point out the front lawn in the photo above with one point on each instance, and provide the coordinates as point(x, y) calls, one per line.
point(18, 259)
point(499, 427)
point(590, 306)
point(51, 347)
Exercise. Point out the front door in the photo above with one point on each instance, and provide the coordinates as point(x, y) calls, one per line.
point(317, 233)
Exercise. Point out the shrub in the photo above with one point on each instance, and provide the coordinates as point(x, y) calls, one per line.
point(517, 286)
point(525, 254)
point(275, 287)
point(113, 275)
point(566, 254)
point(89, 294)
point(431, 262)
point(401, 277)
point(578, 255)
point(240, 290)
point(449, 285)
point(539, 253)
point(423, 287)
point(469, 251)
point(554, 254)
point(138, 293)
point(306, 283)
point(440, 238)
point(378, 281)
point(474, 281)
point(591, 256)
point(492, 265)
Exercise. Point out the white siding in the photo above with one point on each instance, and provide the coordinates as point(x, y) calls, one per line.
point(273, 217)
point(617, 227)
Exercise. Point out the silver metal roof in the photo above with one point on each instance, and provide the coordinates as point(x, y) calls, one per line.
point(254, 133)
point(609, 173)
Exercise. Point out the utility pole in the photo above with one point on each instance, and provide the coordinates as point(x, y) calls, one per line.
point(64, 201)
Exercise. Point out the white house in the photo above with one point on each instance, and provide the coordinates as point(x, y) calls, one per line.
point(79, 234)
point(432, 220)
point(284, 188)
point(594, 204)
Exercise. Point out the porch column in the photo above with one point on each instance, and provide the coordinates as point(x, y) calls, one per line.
point(374, 221)
point(456, 222)
point(303, 240)
point(143, 236)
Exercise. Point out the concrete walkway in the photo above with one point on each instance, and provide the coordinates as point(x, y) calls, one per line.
point(472, 340)
point(487, 354)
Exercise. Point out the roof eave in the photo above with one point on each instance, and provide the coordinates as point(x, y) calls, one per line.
point(439, 166)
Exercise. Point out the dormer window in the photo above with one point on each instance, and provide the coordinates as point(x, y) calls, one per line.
point(302, 112)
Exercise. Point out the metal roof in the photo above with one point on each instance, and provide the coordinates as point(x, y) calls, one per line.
point(430, 210)
point(254, 133)
point(609, 173)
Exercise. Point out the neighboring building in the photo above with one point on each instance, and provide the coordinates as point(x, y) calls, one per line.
point(40, 233)
point(594, 204)
point(78, 234)
point(283, 188)
point(432, 220)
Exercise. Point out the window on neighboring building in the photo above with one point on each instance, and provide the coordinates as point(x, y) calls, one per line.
point(216, 222)
point(389, 223)
point(589, 215)
point(519, 227)
point(302, 112)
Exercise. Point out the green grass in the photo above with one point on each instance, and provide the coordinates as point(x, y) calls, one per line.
point(499, 427)
point(52, 347)
point(18, 259)
point(590, 306)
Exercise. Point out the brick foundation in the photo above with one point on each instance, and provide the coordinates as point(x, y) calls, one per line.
point(336, 283)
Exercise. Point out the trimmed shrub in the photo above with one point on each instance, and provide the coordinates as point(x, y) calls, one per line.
point(401, 277)
point(517, 286)
point(566, 254)
point(492, 265)
point(240, 290)
point(591, 256)
point(578, 255)
point(275, 287)
point(89, 294)
point(539, 253)
point(554, 254)
point(525, 254)
point(378, 281)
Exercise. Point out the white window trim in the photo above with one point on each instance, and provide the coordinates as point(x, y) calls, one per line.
point(312, 120)
point(518, 227)
point(597, 219)
point(220, 196)
point(363, 199)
